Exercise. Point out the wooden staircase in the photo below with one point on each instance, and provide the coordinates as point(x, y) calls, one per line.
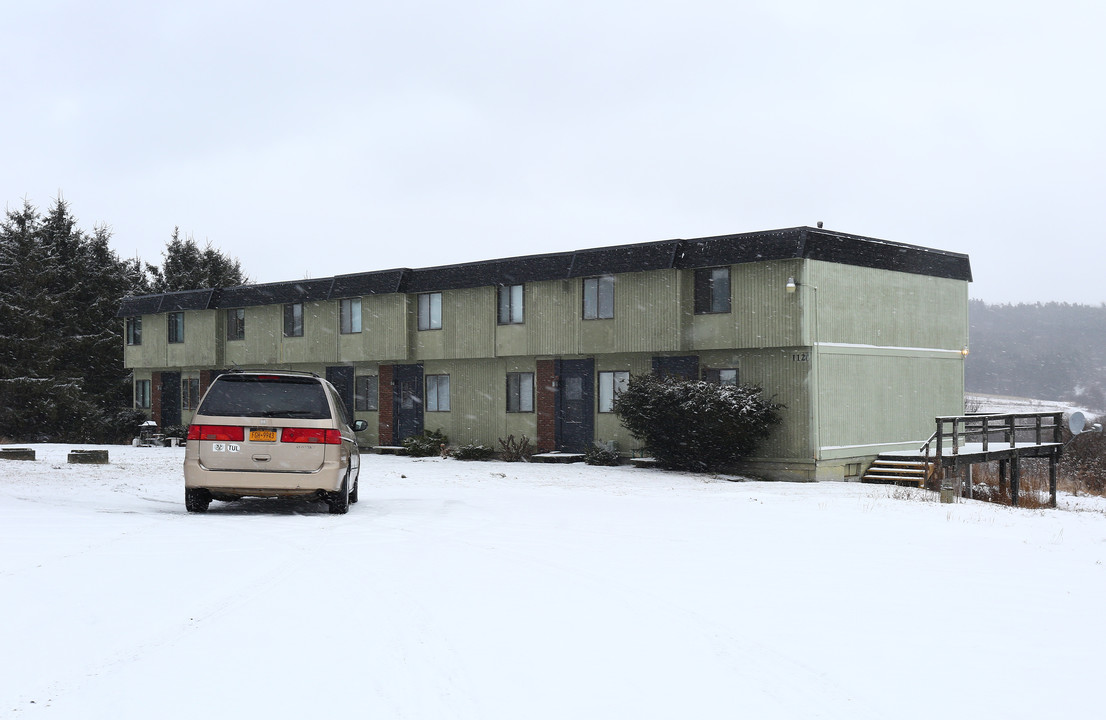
point(889, 470)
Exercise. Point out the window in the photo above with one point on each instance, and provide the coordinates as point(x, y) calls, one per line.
point(437, 393)
point(176, 327)
point(134, 331)
point(366, 394)
point(293, 320)
point(712, 290)
point(236, 324)
point(430, 311)
point(510, 304)
point(349, 314)
point(599, 297)
point(142, 394)
point(520, 392)
point(610, 385)
point(189, 392)
point(721, 376)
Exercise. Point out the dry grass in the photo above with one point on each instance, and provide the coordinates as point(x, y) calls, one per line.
point(1033, 486)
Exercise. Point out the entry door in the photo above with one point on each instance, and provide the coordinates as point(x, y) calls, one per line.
point(341, 377)
point(170, 399)
point(407, 401)
point(575, 405)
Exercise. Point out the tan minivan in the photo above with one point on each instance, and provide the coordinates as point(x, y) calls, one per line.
point(266, 433)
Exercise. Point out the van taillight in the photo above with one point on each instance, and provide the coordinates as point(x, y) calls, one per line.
point(219, 433)
point(311, 435)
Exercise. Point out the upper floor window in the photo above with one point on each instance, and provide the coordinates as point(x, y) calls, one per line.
point(293, 320)
point(366, 393)
point(142, 394)
point(437, 393)
point(349, 315)
point(721, 376)
point(611, 383)
point(176, 327)
point(134, 331)
point(430, 311)
point(510, 304)
point(520, 392)
point(599, 297)
point(236, 324)
point(712, 290)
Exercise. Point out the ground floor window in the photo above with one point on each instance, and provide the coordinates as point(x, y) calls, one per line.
point(366, 393)
point(520, 392)
point(611, 383)
point(437, 393)
point(142, 394)
point(189, 392)
point(721, 376)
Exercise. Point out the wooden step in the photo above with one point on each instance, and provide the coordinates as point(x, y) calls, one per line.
point(887, 471)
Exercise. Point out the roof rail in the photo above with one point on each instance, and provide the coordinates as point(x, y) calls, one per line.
point(236, 370)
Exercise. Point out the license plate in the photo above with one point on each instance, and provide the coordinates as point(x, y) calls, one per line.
point(257, 435)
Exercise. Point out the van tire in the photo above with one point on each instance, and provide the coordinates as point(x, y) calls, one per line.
point(196, 500)
point(338, 502)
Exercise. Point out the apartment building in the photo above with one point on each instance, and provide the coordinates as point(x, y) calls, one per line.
point(863, 340)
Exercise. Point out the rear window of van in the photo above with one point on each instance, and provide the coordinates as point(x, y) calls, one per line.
point(266, 396)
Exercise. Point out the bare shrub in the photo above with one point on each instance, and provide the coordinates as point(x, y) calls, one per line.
point(515, 451)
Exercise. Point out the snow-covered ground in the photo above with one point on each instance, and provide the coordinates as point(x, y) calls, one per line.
point(493, 590)
point(981, 402)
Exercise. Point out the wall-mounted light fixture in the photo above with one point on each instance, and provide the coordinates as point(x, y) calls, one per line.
point(791, 285)
point(964, 351)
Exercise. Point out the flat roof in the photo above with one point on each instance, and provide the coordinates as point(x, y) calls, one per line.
point(791, 243)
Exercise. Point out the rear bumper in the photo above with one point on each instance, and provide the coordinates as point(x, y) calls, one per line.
point(264, 483)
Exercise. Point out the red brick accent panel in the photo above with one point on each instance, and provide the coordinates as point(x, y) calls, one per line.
point(546, 382)
point(386, 414)
point(155, 397)
point(206, 378)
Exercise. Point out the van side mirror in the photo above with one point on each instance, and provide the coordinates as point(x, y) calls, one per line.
point(360, 425)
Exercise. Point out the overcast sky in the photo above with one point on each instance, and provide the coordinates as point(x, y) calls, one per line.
point(314, 139)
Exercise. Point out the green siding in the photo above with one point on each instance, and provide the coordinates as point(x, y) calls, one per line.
point(260, 346)
point(762, 312)
point(151, 353)
point(552, 312)
point(862, 359)
point(478, 402)
point(383, 335)
point(879, 307)
point(198, 348)
point(468, 326)
point(873, 400)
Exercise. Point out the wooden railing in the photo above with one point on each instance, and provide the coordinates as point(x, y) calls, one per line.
point(994, 432)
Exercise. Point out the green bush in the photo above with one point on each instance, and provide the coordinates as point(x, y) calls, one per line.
point(473, 452)
point(695, 425)
point(431, 442)
point(600, 455)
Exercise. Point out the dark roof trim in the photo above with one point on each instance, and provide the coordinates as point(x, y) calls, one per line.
point(800, 242)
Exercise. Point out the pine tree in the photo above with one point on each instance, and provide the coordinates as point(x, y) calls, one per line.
point(186, 267)
point(61, 364)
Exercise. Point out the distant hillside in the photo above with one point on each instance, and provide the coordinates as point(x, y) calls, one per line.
point(1054, 350)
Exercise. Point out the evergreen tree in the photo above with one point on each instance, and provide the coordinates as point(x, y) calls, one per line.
point(187, 267)
point(61, 346)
